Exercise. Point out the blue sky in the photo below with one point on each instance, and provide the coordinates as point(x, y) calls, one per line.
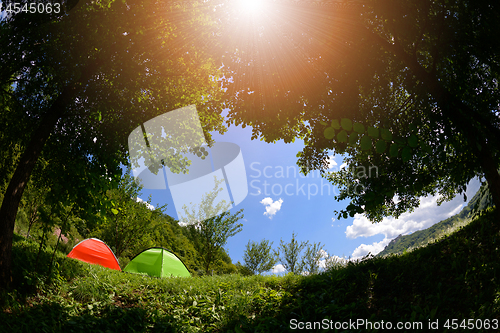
point(281, 201)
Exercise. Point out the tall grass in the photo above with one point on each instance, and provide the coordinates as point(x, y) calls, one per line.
point(455, 277)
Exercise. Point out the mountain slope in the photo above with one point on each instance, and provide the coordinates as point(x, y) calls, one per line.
point(423, 237)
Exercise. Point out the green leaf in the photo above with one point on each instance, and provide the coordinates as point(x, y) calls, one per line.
point(114, 211)
point(369, 196)
point(413, 128)
point(359, 128)
point(342, 136)
point(426, 148)
point(386, 134)
point(413, 141)
point(346, 124)
point(329, 133)
point(323, 123)
point(335, 124)
point(353, 138)
point(406, 154)
point(366, 142)
point(418, 186)
point(373, 132)
point(400, 141)
point(380, 146)
point(393, 150)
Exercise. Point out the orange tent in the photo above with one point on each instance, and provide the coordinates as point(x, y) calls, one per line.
point(95, 251)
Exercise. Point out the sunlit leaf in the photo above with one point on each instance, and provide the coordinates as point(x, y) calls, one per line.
point(366, 142)
point(380, 146)
point(386, 134)
point(353, 138)
point(342, 136)
point(373, 132)
point(329, 133)
point(393, 150)
point(400, 141)
point(335, 124)
point(406, 154)
point(413, 141)
point(323, 123)
point(359, 128)
point(114, 211)
point(346, 124)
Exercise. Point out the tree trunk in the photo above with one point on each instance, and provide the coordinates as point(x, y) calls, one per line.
point(63, 228)
point(17, 184)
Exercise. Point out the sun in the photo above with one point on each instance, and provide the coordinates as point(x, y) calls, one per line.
point(251, 6)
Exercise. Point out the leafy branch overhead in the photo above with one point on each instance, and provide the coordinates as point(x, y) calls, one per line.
point(425, 72)
point(370, 139)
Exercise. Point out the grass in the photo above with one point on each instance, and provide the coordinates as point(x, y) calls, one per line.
point(454, 278)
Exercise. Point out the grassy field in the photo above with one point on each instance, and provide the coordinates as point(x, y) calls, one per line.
point(454, 278)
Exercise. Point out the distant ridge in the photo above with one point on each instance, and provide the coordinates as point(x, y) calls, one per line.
point(423, 237)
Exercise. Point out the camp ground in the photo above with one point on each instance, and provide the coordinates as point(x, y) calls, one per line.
point(95, 251)
point(157, 262)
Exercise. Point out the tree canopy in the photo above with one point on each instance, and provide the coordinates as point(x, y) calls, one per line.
point(426, 72)
point(259, 257)
point(211, 224)
point(74, 85)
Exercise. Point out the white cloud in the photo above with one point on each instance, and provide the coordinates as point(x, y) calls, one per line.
point(146, 203)
point(424, 216)
point(374, 248)
point(323, 253)
point(272, 207)
point(327, 258)
point(331, 162)
point(278, 269)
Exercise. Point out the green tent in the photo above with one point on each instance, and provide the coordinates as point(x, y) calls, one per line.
point(157, 262)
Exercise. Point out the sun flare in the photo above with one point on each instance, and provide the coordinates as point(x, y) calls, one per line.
point(251, 6)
